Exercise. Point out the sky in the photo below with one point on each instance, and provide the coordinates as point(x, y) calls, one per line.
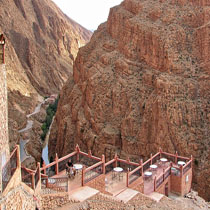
point(88, 13)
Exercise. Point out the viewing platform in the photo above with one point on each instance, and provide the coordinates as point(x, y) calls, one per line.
point(121, 179)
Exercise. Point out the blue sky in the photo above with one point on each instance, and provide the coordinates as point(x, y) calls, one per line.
point(88, 13)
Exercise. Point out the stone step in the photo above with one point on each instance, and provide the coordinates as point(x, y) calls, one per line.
point(156, 196)
point(83, 193)
point(127, 195)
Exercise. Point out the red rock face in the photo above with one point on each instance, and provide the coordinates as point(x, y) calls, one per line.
point(142, 83)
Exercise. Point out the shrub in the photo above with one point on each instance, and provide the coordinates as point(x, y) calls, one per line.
point(51, 110)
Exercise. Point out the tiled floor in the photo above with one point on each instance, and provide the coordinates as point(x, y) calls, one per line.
point(149, 182)
point(72, 183)
point(115, 184)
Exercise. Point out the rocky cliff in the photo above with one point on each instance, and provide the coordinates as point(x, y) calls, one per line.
point(42, 43)
point(141, 83)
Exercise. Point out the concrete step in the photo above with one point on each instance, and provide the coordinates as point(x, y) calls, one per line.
point(156, 196)
point(83, 193)
point(127, 195)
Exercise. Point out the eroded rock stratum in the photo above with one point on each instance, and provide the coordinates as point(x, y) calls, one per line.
point(142, 83)
point(41, 44)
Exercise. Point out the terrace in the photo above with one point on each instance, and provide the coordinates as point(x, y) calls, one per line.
point(162, 172)
point(114, 176)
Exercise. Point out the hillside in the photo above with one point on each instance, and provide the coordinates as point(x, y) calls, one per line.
point(41, 44)
point(141, 83)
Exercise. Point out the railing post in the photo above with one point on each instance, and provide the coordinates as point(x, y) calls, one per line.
point(89, 153)
point(83, 175)
point(44, 169)
point(33, 182)
point(56, 164)
point(155, 183)
point(163, 174)
point(181, 170)
point(77, 149)
point(103, 165)
point(142, 171)
point(151, 158)
point(115, 163)
point(18, 156)
point(176, 158)
point(160, 150)
point(38, 168)
point(127, 179)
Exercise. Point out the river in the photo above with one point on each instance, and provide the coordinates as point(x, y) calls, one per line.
point(23, 153)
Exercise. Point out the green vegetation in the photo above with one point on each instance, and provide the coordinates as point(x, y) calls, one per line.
point(51, 110)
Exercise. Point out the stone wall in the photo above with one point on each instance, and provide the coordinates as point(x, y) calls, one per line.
point(18, 198)
point(50, 202)
point(4, 141)
point(186, 182)
point(98, 183)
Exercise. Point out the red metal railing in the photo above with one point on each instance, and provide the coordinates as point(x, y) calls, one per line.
point(134, 175)
point(27, 176)
point(187, 167)
point(53, 185)
point(160, 179)
point(92, 172)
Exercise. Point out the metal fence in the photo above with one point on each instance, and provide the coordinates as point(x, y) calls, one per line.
point(9, 169)
point(187, 167)
point(156, 159)
point(159, 181)
point(109, 167)
point(26, 177)
point(93, 173)
point(87, 160)
point(169, 157)
point(134, 176)
point(37, 176)
point(50, 171)
point(54, 185)
point(182, 159)
point(167, 173)
point(62, 164)
point(146, 165)
point(126, 166)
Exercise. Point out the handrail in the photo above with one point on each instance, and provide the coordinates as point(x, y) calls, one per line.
point(154, 156)
point(177, 167)
point(146, 162)
point(174, 155)
point(127, 162)
point(93, 166)
point(110, 162)
point(136, 169)
point(28, 170)
point(166, 153)
point(10, 156)
point(67, 156)
point(90, 156)
point(187, 164)
point(47, 166)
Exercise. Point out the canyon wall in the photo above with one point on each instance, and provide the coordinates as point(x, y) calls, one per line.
point(41, 44)
point(141, 83)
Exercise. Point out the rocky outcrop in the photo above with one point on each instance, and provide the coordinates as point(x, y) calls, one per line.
point(141, 83)
point(41, 44)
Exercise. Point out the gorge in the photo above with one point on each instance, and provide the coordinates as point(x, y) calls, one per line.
point(41, 45)
point(141, 83)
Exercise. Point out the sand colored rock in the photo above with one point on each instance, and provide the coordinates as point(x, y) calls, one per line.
point(141, 83)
